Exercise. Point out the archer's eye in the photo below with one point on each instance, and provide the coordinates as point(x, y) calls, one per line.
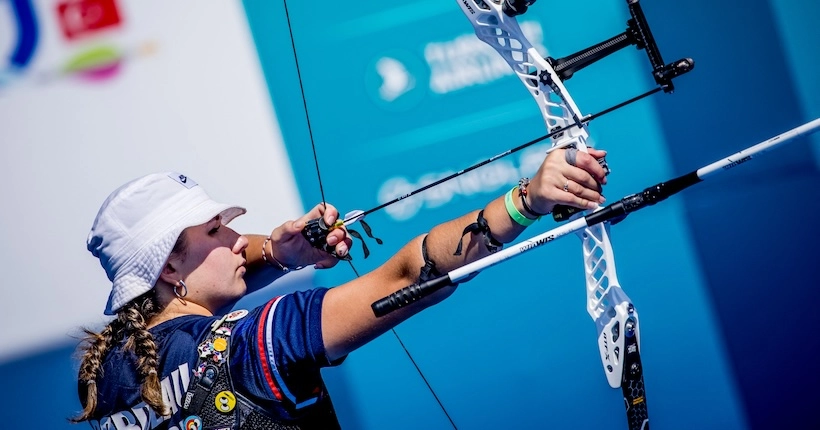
point(214, 230)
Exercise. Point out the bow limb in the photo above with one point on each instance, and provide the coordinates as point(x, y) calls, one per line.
point(615, 316)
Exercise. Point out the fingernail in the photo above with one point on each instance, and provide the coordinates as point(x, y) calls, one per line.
point(592, 205)
point(602, 200)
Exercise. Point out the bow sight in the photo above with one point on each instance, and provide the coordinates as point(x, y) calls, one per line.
point(637, 34)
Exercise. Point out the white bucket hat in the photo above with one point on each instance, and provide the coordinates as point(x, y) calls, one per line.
point(138, 225)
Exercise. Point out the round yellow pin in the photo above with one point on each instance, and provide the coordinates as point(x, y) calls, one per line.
point(220, 344)
point(225, 401)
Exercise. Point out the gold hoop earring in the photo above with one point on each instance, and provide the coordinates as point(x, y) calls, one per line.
point(184, 290)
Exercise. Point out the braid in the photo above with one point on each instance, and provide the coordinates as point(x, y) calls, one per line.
point(96, 346)
point(134, 316)
point(130, 322)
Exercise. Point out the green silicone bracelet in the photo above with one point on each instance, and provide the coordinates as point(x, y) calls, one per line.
point(513, 211)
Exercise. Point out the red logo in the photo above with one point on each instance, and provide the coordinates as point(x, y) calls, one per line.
point(82, 17)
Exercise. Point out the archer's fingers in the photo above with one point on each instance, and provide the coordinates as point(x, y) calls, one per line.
point(329, 213)
point(583, 179)
point(589, 163)
point(341, 245)
point(314, 212)
point(582, 203)
point(324, 210)
point(339, 236)
point(581, 195)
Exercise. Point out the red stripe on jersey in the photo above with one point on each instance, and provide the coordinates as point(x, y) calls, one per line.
point(263, 356)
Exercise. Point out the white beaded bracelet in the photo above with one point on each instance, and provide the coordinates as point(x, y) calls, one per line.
point(278, 264)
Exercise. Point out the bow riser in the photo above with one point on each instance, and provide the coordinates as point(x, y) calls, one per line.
point(604, 295)
point(504, 35)
point(607, 303)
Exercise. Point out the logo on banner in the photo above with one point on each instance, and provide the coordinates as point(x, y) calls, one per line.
point(391, 80)
point(448, 66)
point(25, 41)
point(395, 78)
point(487, 179)
point(90, 22)
point(467, 61)
point(84, 17)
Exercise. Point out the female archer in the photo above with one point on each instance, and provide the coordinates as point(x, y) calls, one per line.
point(173, 358)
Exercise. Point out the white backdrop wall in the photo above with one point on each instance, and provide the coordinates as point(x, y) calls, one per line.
point(187, 95)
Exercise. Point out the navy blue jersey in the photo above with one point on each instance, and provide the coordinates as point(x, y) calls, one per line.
point(275, 360)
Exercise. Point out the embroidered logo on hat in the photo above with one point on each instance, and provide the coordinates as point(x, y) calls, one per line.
point(183, 180)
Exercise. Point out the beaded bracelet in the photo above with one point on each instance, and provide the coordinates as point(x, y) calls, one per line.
point(517, 216)
point(522, 191)
point(278, 264)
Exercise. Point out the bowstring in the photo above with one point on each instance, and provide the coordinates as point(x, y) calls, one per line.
point(324, 203)
point(304, 104)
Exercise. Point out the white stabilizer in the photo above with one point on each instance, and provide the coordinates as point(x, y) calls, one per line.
point(558, 110)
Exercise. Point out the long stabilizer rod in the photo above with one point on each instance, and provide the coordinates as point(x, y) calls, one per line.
point(621, 208)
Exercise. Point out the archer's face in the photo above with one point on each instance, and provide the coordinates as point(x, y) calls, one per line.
point(213, 265)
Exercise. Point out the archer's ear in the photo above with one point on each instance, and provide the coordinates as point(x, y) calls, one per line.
point(169, 273)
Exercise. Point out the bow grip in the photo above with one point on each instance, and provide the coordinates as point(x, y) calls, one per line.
point(563, 212)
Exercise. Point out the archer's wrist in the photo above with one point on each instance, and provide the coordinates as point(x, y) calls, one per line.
point(270, 259)
point(526, 201)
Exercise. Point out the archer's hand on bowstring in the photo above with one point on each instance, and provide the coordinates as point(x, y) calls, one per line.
point(291, 248)
point(575, 180)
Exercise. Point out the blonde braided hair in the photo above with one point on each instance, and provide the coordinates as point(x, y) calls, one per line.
point(130, 325)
